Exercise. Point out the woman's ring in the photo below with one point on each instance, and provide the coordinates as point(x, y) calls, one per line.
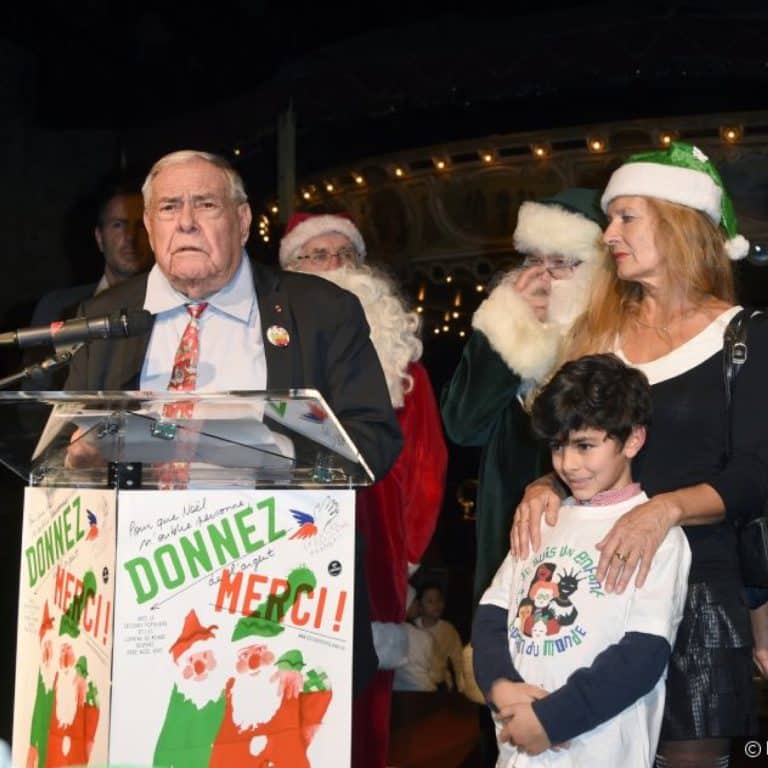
point(621, 557)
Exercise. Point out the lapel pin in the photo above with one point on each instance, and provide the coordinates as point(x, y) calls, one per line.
point(278, 308)
point(278, 336)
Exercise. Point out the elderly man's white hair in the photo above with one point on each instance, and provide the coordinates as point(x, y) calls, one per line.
point(236, 185)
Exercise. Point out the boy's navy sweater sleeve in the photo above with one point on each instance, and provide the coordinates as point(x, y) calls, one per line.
point(618, 677)
point(490, 648)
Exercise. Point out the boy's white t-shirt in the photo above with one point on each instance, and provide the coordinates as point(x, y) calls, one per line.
point(568, 630)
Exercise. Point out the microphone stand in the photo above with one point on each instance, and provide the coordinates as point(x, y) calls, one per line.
point(38, 370)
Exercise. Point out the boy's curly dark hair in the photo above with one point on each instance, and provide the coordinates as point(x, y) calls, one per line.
point(594, 392)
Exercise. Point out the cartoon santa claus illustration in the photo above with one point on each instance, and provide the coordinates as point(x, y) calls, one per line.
point(274, 706)
point(196, 705)
point(41, 714)
point(75, 714)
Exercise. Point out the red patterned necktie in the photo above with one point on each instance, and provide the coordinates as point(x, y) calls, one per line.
point(175, 474)
point(184, 373)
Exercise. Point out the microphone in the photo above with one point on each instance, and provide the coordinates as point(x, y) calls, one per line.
point(120, 324)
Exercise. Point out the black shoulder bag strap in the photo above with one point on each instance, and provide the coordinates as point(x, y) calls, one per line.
point(734, 356)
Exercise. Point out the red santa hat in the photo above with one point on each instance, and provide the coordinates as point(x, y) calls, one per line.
point(192, 632)
point(304, 226)
point(46, 625)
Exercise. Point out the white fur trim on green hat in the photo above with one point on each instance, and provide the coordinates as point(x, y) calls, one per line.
point(553, 229)
point(666, 182)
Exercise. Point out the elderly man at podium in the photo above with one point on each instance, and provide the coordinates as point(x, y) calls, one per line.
point(223, 322)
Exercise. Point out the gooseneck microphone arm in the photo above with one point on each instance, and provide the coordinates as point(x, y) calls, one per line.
point(38, 370)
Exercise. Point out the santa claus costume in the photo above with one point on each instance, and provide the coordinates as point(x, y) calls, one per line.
point(396, 516)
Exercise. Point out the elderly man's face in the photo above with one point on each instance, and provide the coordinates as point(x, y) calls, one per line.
point(325, 253)
point(196, 230)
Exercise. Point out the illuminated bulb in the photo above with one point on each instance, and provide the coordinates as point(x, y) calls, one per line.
point(419, 309)
point(446, 328)
point(274, 209)
point(266, 238)
point(666, 139)
point(440, 165)
point(455, 315)
point(449, 279)
point(479, 288)
point(399, 171)
point(462, 334)
point(359, 179)
point(237, 151)
point(597, 145)
point(306, 195)
point(539, 152)
point(731, 133)
point(487, 157)
point(437, 330)
point(329, 187)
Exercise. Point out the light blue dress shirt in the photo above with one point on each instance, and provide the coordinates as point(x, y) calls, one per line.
point(231, 344)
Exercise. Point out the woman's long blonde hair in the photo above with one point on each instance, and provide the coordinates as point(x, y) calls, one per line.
point(695, 259)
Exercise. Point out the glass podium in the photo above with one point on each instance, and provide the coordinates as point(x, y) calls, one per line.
point(207, 621)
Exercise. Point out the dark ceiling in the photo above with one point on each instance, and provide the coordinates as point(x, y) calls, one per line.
point(380, 79)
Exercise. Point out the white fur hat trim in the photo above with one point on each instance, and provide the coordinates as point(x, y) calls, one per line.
point(667, 182)
point(320, 225)
point(553, 229)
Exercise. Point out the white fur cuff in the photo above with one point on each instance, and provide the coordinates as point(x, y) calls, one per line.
point(526, 345)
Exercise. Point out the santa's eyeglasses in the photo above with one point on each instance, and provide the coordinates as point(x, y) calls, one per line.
point(559, 267)
point(322, 255)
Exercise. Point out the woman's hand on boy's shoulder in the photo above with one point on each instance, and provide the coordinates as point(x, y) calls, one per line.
point(633, 540)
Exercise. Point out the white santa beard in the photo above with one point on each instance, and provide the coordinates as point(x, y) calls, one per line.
point(48, 674)
point(200, 692)
point(66, 697)
point(254, 698)
point(568, 298)
point(393, 330)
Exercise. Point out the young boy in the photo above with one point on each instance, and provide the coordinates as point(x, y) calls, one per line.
point(580, 681)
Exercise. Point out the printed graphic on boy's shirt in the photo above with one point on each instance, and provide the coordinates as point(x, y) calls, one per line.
point(549, 611)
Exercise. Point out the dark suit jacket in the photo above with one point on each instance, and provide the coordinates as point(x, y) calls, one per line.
point(329, 350)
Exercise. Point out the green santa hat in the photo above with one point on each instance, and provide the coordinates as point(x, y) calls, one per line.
point(680, 174)
point(266, 620)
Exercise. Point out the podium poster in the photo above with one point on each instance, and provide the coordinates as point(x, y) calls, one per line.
point(64, 641)
point(233, 629)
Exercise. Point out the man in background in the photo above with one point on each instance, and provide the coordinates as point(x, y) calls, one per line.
point(122, 241)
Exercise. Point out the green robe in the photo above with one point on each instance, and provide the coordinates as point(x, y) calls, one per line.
point(41, 720)
point(480, 408)
point(186, 739)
